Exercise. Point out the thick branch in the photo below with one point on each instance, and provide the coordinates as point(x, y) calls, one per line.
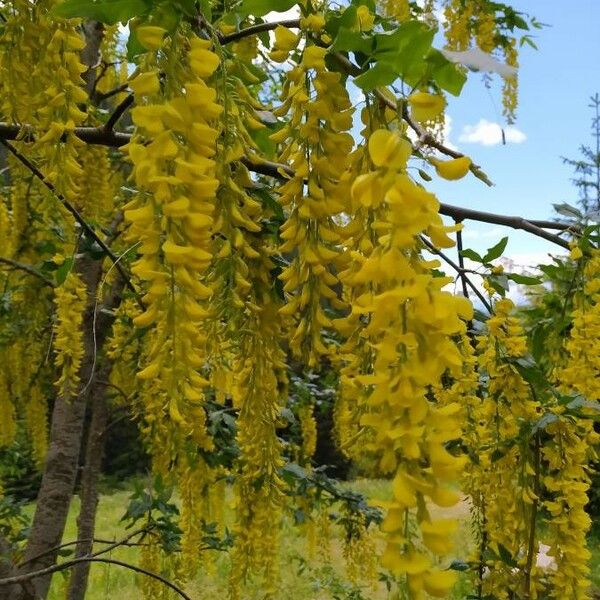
point(102, 137)
point(460, 271)
point(27, 269)
point(90, 135)
point(259, 28)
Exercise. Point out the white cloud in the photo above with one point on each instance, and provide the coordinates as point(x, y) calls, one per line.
point(488, 133)
point(292, 13)
point(469, 233)
point(477, 60)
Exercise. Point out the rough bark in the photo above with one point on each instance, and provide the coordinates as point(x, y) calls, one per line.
point(5, 551)
point(90, 55)
point(86, 521)
point(60, 470)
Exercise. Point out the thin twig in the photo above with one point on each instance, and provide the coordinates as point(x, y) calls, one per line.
point(120, 88)
point(28, 269)
point(118, 113)
point(425, 138)
point(78, 217)
point(113, 544)
point(449, 261)
point(461, 262)
point(258, 28)
point(21, 579)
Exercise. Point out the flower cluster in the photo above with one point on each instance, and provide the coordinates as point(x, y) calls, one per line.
point(572, 446)
point(317, 148)
point(174, 170)
point(70, 301)
point(410, 322)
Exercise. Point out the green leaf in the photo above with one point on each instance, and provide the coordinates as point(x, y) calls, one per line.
point(258, 8)
point(495, 251)
point(205, 9)
point(134, 48)
point(524, 279)
point(380, 75)
point(404, 51)
point(270, 203)
point(506, 556)
point(543, 422)
point(106, 11)
point(424, 175)
point(471, 255)
point(352, 41)
point(499, 283)
point(61, 273)
point(445, 73)
point(566, 210)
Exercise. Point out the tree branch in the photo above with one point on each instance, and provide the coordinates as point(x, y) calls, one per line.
point(91, 135)
point(118, 113)
point(28, 269)
point(117, 90)
point(258, 28)
point(461, 262)
point(535, 227)
point(99, 136)
point(460, 271)
point(77, 216)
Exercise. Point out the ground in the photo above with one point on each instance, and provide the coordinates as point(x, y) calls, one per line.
point(323, 578)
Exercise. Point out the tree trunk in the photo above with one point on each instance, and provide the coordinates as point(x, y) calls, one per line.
point(86, 521)
point(66, 431)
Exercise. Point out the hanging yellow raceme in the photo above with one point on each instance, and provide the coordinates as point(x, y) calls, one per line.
point(317, 146)
point(258, 487)
point(573, 445)
point(410, 322)
point(70, 302)
point(171, 217)
point(505, 481)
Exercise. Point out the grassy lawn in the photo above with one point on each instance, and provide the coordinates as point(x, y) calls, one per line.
point(324, 578)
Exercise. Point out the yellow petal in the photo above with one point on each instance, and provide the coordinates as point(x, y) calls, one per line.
point(150, 36)
point(453, 169)
point(426, 107)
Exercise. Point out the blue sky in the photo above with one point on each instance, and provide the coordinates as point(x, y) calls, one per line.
point(556, 82)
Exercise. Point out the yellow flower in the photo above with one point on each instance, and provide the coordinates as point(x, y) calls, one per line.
point(145, 84)
point(365, 19)
point(426, 107)
point(150, 36)
point(576, 252)
point(439, 583)
point(314, 58)
point(314, 22)
point(453, 169)
point(388, 149)
point(284, 39)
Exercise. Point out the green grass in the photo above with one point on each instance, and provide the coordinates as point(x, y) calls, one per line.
point(320, 580)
